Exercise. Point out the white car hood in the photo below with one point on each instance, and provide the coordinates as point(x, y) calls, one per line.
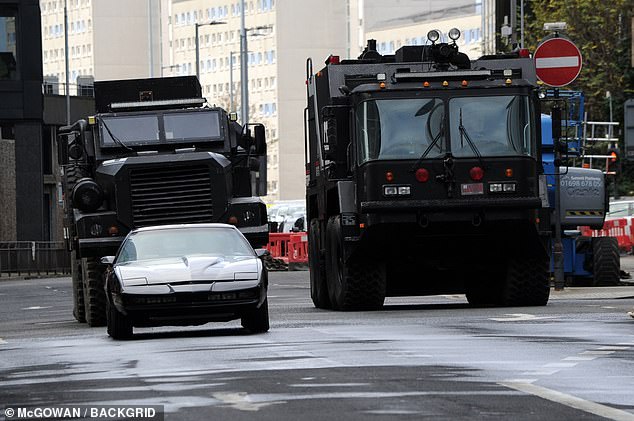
point(188, 268)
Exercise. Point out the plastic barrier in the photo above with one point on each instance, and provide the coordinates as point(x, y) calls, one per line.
point(290, 247)
point(622, 229)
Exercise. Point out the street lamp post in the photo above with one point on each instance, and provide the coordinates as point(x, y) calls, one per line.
point(231, 101)
point(244, 73)
point(198, 25)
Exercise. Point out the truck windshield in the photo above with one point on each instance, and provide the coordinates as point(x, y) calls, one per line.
point(497, 126)
point(400, 128)
point(416, 128)
point(174, 127)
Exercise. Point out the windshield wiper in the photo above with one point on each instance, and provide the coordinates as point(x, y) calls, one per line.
point(115, 138)
point(429, 148)
point(464, 135)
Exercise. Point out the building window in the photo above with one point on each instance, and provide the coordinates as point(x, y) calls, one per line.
point(8, 50)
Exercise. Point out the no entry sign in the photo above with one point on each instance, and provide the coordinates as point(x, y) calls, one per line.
point(557, 62)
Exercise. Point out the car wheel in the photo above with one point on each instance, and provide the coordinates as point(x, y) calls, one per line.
point(257, 320)
point(119, 325)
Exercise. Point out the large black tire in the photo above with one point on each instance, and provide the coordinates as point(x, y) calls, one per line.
point(318, 285)
point(79, 311)
point(94, 292)
point(119, 325)
point(606, 261)
point(527, 282)
point(257, 320)
point(359, 283)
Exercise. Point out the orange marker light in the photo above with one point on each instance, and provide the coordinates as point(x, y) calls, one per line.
point(509, 172)
point(465, 83)
point(362, 225)
point(389, 176)
point(382, 85)
point(508, 81)
point(426, 84)
point(445, 83)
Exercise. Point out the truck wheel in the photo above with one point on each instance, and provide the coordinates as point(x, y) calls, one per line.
point(257, 320)
point(527, 282)
point(606, 261)
point(483, 289)
point(79, 311)
point(94, 292)
point(359, 283)
point(318, 286)
point(119, 325)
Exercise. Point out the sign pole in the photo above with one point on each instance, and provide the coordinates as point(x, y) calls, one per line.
point(558, 248)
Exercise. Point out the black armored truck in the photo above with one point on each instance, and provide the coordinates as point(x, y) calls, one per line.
point(424, 176)
point(155, 153)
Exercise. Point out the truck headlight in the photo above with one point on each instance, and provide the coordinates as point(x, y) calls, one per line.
point(390, 190)
point(509, 187)
point(495, 187)
point(87, 195)
point(404, 191)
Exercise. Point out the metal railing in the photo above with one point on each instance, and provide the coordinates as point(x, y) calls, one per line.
point(33, 258)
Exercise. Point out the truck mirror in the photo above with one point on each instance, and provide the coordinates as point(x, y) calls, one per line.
point(259, 139)
point(62, 149)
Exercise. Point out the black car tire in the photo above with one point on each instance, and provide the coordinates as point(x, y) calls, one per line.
point(119, 325)
point(359, 283)
point(94, 292)
point(79, 312)
point(318, 285)
point(257, 319)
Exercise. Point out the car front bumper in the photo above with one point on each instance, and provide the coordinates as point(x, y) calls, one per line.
point(191, 304)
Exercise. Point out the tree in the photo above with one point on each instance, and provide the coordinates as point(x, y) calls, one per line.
point(603, 32)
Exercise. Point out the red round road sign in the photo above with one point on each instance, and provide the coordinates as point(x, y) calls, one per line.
point(557, 62)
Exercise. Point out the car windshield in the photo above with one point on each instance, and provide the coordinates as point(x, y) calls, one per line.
point(134, 130)
point(180, 242)
point(400, 128)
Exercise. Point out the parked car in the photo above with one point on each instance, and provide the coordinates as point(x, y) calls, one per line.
point(621, 209)
point(185, 275)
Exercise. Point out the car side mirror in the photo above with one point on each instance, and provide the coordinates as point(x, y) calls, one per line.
point(107, 260)
point(262, 252)
point(259, 139)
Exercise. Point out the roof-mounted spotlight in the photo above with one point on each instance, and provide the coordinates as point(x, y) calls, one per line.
point(433, 35)
point(454, 34)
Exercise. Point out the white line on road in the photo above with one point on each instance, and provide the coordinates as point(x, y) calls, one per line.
point(613, 348)
point(597, 352)
point(571, 401)
point(2, 341)
point(580, 358)
point(540, 372)
point(35, 308)
point(519, 317)
point(560, 365)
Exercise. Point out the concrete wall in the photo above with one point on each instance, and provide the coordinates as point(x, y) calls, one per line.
point(310, 30)
point(7, 190)
point(29, 182)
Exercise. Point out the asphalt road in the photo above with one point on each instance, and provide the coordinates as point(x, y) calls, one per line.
point(420, 358)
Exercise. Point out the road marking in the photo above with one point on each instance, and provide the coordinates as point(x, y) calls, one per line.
point(35, 308)
point(571, 401)
point(614, 348)
point(560, 365)
point(241, 401)
point(2, 341)
point(330, 385)
point(594, 352)
point(519, 317)
point(580, 358)
point(540, 372)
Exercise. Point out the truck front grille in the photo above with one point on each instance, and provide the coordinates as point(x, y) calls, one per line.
point(170, 195)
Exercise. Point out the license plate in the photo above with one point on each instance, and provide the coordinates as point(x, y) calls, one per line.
point(472, 188)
